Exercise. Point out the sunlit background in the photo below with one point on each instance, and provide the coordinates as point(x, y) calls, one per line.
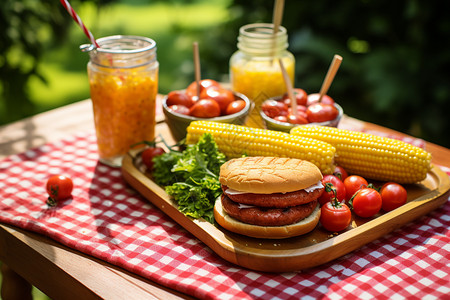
point(394, 73)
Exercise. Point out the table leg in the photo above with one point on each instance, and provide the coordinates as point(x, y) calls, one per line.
point(14, 286)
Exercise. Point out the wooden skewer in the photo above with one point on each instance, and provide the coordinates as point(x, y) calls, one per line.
point(276, 20)
point(289, 87)
point(197, 67)
point(332, 70)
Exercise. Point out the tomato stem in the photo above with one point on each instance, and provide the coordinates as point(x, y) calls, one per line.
point(329, 187)
point(51, 202)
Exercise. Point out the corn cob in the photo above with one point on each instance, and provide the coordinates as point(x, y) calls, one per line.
point(371, 156)
point(236, 141)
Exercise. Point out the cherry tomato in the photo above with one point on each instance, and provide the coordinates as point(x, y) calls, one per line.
point(329, 194)
point(281, 119)
point(148, 155)
point(366, 202)
point(393, 195)
point(320, 112)
point(296, 119)
point(59, 187)
point(191, 90)
point(179, 98)
point(222, 96)
point(313, 98)
point(235, 107)
point(273, 108)
point(340, 173)
point(180, 109)
point(300, 109)
point(353, 184)
point(300, 95)
point(335, 216)
point(205, 108)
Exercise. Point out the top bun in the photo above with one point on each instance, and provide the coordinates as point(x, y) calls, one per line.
point(267, 175)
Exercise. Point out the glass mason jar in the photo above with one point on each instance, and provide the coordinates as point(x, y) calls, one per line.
point(123, 79)
point(255, 69)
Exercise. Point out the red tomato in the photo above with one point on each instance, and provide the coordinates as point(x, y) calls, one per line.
point(235, 107)
point(320, 112)
point(313, 98)
point(59, 187)
point(148, 155)
point(273, 108)
point(353, 184)
point(300, 109)
point(337, 185)
point(335, 216)
point(296, 119)
point(393, 195)
point(180, 109)
point(191, 90)
point(300, 95)
point(366, 203)
point(179, 98)
point(205, 108)
point(281, 119)
point(223, 97)
point(340, 173)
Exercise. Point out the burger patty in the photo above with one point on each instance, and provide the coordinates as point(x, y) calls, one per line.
point(268, 216)
point(278, 200)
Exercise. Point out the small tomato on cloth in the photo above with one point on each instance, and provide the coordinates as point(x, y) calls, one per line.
point(59, 187)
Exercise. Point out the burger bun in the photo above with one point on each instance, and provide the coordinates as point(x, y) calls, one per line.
point(267, 175)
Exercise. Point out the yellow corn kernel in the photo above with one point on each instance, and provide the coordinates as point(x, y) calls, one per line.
point(371, 156)
point(236, 141)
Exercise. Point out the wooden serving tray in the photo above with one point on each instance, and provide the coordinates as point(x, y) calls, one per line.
point(293, 254)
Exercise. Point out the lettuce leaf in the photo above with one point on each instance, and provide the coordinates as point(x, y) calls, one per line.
point(191, 177)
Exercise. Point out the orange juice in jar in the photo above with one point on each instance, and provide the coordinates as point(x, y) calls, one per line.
point(123, 78)
point(254, 68)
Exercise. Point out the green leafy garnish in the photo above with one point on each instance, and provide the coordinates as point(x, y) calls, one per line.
point(191, 177)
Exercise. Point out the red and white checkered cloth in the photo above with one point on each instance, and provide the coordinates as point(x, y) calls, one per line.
point(105, 218)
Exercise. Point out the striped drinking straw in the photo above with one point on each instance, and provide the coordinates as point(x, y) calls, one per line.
point(77, 19)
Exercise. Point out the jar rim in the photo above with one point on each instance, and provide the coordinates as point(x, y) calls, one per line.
point(109, 44)
point(261, 30)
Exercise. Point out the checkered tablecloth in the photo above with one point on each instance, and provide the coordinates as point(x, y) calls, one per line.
point(105, 218)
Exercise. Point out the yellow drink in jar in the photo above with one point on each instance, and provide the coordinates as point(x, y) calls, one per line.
point(124, 111)
point(123, 79)
point(255, 70)
point(259, 80)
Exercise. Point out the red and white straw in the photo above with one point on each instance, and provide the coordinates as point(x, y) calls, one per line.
point(77, 19)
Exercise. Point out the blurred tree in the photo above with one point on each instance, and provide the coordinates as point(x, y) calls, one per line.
point(28, 27)
point(396, 56)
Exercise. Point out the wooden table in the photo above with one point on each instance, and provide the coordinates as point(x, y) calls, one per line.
point(61, 272)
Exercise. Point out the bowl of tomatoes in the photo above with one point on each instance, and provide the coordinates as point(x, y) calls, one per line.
point(211, 102)
point(277, 112)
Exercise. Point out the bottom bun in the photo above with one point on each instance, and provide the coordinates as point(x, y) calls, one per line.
point(266, 232)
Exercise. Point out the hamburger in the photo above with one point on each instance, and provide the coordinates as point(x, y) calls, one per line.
point(269, 197)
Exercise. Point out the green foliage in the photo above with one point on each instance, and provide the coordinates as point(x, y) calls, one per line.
point(396, 58)
point(29, 29)
point(394, 71)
